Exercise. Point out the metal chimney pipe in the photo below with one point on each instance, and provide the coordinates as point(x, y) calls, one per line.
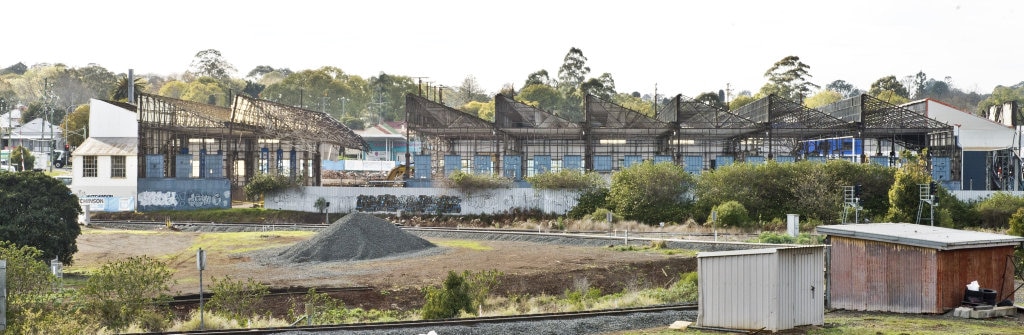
point(131, 86)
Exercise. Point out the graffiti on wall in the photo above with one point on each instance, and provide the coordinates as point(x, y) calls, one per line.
point(181, 200)
point(444, 204)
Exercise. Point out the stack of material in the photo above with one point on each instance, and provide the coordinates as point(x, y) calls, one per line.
point(357, 236)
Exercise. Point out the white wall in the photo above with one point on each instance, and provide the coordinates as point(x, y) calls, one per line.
point(976, 133)
point(343, 199)
point(103, 184)
point(107, 120)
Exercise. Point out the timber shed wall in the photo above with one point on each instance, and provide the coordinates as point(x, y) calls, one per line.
point(881, 276)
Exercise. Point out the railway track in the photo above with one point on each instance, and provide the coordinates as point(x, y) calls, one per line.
point(465, 322)
point(248, 226)
point(191, 299)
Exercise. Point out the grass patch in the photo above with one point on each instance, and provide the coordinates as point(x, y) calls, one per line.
point(229, 215)
point(465, 244)
point(239, 242)
point(88, 231)
point(655, 246)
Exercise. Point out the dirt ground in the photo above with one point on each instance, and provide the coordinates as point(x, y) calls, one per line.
point(528, 268)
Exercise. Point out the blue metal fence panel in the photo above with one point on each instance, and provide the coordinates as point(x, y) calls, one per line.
point(721, 161)
point(629, 160)
point(513, 167)
point(481, 164)
point(603, 163)
point(421, 166)
point(541, 164)
point(662, 158)
point(214, 167)
point(183, 166)
point(693, 164)
point(755, 160)
point(573, 162)
point(880, 160)
point(452, 163)
point(785, 159)
point(940, 169)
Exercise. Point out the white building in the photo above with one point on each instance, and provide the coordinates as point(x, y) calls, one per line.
point(105, 168)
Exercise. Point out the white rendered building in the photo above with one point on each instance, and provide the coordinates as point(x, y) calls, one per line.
point(105, 165)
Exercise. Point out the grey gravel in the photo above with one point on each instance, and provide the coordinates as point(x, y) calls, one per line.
point(355, 237)
point(594, 325)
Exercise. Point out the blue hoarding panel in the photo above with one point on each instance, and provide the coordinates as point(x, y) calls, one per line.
point(541, 164)
point(603, 163)
point(452, 163)
point(816, 159)
point(724, 161)
point(481, 164)
point(880, 160)
point(421, 166)
point(693, 164)
point(662, 158)
point(513, 167)
point(785, 159)
point(940, 169)
point(629, 160)
point(755, 160)
point(573, 162)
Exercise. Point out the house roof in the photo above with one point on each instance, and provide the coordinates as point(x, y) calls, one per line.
point(12, 117)
point(921, 236)
point(35, 129)
point(108, 146)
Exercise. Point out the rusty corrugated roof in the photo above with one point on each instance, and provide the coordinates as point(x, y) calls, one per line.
point(920, 235)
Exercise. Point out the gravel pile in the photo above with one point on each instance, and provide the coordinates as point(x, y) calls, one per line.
point(354, 237)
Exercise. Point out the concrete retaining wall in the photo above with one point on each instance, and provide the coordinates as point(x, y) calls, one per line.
point(422, 200)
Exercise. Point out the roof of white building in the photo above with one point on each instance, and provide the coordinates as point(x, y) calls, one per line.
point(108, 146)
point(975, 133)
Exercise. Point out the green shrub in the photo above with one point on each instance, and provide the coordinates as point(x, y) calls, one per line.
point(467, 182)
point(237, 299)
point(480, 285)
point(650, 192)
point(995, 211)
point(262, 184)
point(731, 214)
point(567, 179)
point(22, 159)
point(589, 202)
point(447, 301)
point(122, 291)
point(601, 215)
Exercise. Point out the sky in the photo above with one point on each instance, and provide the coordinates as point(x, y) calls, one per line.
point(677, 47)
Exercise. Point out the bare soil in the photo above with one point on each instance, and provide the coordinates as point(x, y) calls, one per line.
point(528, 268)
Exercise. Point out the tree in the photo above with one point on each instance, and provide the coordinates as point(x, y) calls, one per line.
point(571, 74)
point(76, 125)
point(823, 98)
point(740, 101)
point(121, 91)
point(39, 211)
point(470, 90)
point(122, 291)
point(634, 102)
point(538, 78)
point(788, 78)
point(602, 87)
point(447, 301)
point(237, 299)
point(844, 88)
point(710, 99)
point(650, 192)
point(888, 83)
point(904, 196)
point(22, 159)
point(548, 98)
point(210, 63)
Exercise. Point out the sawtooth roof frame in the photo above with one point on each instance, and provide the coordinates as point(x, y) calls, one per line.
point(697, 119)
point(790, 119)
point(429, 118)
point(181, 116)
point(879, 118)
point(520, 120)
point(273, 120)
point(607, 118)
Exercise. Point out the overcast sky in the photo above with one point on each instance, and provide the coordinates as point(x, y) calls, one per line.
point(685, 47)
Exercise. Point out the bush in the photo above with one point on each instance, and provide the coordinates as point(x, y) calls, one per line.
point(39, 211)
point(262, 184)
point(567, 179)
point(650, 192)
point(480, 285)
point(589, 202)
point(732, 214)
point(468, 183)
point(22, 159)
point(995, 211)
point(601, 215)
point(237, 299)
point(447, 301)
point(120, 292)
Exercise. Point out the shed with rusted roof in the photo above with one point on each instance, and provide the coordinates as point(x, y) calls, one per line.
point(909, 268)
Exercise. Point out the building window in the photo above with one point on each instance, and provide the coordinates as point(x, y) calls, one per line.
point(117, 167)
point(89, 166)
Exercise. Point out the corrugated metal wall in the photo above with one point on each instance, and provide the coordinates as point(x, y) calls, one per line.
point(737, 291)
point(801, 287)
point(774, 289)
point(888, 277)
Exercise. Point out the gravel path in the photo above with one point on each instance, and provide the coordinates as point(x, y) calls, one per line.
point(595, 325)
